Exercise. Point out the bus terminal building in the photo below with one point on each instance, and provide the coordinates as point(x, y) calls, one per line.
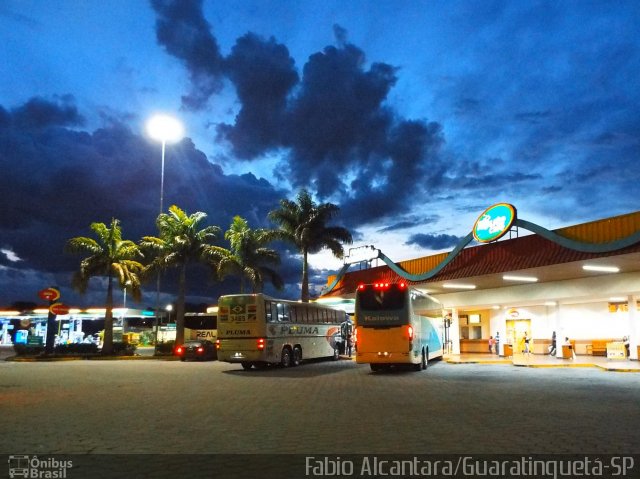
point(509, 278)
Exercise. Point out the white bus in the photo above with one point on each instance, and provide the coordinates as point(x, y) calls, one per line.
point(397, 326)
point(200, 326)
point(256, 330)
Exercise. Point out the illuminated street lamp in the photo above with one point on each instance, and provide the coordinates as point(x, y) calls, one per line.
point(164, 129)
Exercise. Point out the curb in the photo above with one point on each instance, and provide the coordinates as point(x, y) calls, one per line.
point(16, 359)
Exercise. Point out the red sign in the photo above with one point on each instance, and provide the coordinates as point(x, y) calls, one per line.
point(59, 309)
point(49, 294)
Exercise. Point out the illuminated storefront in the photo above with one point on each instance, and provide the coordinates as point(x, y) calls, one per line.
point(509, 277)
point(30, 327)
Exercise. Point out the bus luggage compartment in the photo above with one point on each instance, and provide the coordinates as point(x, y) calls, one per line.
point(383, 345)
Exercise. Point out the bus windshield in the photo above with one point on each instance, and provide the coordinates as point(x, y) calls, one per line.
point(382, 304)
point(382, 300)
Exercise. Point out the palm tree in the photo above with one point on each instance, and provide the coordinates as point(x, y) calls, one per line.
point(179, 243)
point(248, 256)
point(109, 256)
point(304, 224)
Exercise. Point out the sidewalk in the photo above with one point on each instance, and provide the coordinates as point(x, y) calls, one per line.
point(546, 361)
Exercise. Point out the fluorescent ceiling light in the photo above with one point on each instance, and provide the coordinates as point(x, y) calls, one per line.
point(550, 303)
point(604, 269)
point(458, 286)
point(496, 307)
point(526, 279)
point(617, 299)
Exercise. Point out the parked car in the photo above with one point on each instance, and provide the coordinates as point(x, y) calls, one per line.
point(198, 350)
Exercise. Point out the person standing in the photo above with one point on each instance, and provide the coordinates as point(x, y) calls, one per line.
point(497, 343)
point(625, 340)
point(552, 349)
point(526, 343)
point(491, 343)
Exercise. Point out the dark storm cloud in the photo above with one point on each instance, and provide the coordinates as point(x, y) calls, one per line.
point(409, 222)
point(56, 181)
point(333, 122)
point(182, 29)
point(433, 242)
point(40, 113)
point(263, 74)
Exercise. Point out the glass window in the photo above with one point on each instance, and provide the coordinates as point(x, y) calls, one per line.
point(388, 300)
point(267, 311)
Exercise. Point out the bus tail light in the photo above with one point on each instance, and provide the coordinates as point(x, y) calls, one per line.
point(200, 349)
point(179, 350)
point(217, 344)
point(261, 343)
point(410, 332)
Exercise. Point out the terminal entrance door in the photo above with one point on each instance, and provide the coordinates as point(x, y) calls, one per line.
point(516, 330)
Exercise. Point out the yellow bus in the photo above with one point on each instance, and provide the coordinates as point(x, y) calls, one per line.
point(389, 331)
point(257, 330)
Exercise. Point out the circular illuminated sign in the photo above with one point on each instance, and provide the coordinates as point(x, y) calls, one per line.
point(59, 309)
point(49, 294)
point(494, 222)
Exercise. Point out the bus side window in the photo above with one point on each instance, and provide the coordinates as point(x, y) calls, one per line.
point(293, 316)
point(267, 311)
point(283, 312)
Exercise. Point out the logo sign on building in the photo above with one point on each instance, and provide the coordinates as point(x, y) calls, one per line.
point(494, 222)
point(59, 309)
point(513, 313)
point(361, 254)
point(49, 294)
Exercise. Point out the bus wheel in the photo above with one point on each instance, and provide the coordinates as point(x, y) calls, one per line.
point(246, 366)
point(297, 356)
point(425, 359)
point(375, 367)
point(285, 358)
point(336, 354)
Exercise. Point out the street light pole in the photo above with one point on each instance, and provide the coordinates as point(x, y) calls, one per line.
point(165, 129)
point(124, 305)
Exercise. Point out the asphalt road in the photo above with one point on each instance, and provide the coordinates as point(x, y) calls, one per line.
point(169, 407)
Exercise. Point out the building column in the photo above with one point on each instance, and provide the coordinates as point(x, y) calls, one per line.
point(633, 327)
point(559, 329)
point(560, 333)
point(500, 328)
point(454, 332)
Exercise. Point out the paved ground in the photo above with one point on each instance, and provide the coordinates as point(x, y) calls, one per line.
point(334, 408)
point(330, 407)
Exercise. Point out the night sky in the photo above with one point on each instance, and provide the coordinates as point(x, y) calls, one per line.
point(412, 116)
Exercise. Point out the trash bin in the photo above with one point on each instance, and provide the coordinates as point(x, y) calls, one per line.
point(566, 352)
point(508, 350)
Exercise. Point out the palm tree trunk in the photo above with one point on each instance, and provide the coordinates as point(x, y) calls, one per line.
point(180, 306)
point(107, 344)
point(305, 277)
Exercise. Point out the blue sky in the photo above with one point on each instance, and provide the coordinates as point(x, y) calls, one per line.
point(412, 116)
